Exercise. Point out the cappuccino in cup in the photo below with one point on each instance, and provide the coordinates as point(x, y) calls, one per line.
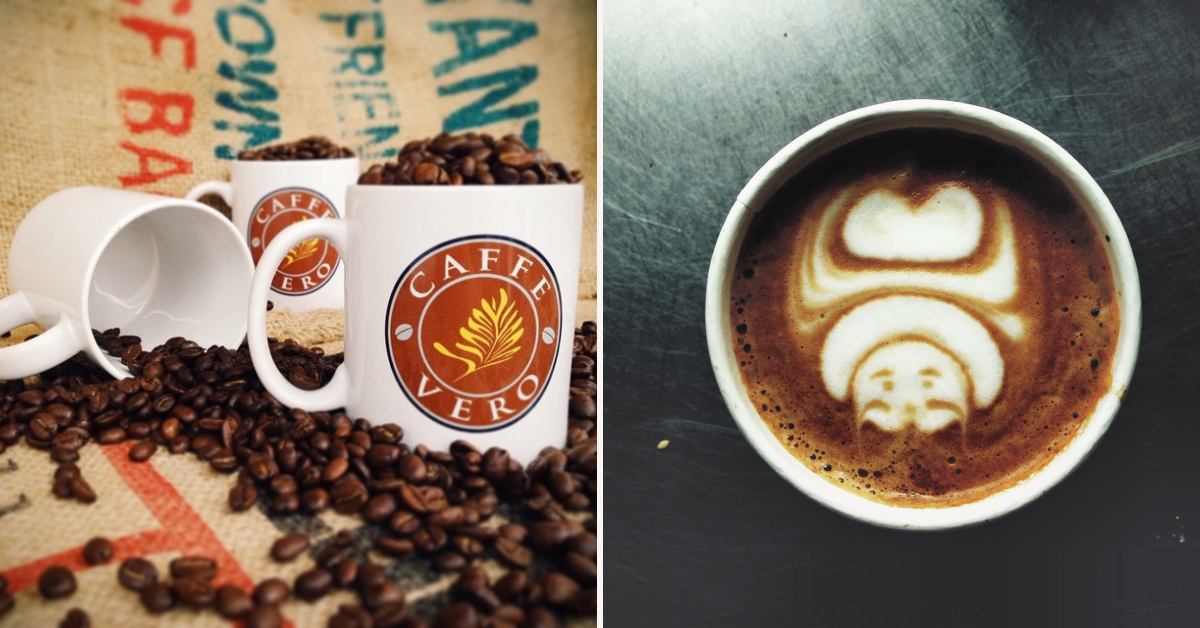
point(924, 317)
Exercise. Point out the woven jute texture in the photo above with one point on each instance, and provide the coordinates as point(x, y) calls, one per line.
point(157, 95)
point(168, 507)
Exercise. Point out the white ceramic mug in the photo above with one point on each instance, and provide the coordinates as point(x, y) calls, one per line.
point(96, 258)
point(268, 196)
point(864, 122)
point(460, 311)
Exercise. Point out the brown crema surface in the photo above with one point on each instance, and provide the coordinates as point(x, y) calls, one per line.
point(1055, 372)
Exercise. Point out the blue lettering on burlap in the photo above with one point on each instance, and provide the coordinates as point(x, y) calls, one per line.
point(470, 48)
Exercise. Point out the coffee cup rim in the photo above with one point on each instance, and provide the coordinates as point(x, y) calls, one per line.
point(863, 122)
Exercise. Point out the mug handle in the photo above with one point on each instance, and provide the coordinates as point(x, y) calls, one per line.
point(53, 347)
point(220, 188)
point(337, 391)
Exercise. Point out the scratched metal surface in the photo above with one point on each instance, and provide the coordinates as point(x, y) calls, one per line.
point(697, 96)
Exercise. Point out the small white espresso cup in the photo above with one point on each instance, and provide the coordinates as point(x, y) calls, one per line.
point(266, 198)
point(96, 258)
point(933, 114)
point(460, 311)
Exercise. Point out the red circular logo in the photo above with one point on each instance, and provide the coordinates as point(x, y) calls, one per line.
point(473, 331)
point(311, 263)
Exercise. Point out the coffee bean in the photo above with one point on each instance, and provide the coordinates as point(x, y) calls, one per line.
point(458, 615)
point(194, 592)
point(82, 490)
point(332, 555)
point(335, 470)
point(548, 536)
point(391, 616)
point(473, 586)
point(541, 618)
point(223, 461)
point(233, 602)
point(404, 523)
point(263, 616)
point(142, 450)
point(345, 573)
point(75, 618)
point(348, 495)
point(448, 517)
point(514, 553)
point(3, 584)
point(272, 591)
point(288, 547)
point(136, 574)
point(313, 584)
point(583, 544)
point(157, 597)
point(382, 456)
point(351, 616)
point(412, 468)
point(56, 582)
point(395, 547)
point(283, 485)
point(315, 500)
point(242, 496)
point(384, 594)
point(581, 568)
point(111, 436)
point(514, 532)
point(201, 567)
point(97, 551)
point(449, 561)
point(379, 508)
point(369, 574)
point(511, 585)
point(558, 589)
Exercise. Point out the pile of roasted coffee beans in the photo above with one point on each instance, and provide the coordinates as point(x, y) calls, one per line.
point(450, 509)
point(468, 159)
point(314, 147)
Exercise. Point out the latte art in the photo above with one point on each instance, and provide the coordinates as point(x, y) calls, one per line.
point(924, 316)
point(936, 333)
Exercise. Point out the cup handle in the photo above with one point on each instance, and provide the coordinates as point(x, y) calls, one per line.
point(220, 188)
point(53, 347)
point(337, 391)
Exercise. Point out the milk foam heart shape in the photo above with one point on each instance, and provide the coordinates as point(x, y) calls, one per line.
point(884, 226)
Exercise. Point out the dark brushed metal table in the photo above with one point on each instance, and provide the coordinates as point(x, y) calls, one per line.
point(697, 96)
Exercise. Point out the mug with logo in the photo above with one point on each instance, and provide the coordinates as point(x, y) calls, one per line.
point(95, 258)
point(460, 310)
point(267, 197)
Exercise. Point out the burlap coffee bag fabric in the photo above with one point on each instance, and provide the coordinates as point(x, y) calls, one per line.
point(156, 95)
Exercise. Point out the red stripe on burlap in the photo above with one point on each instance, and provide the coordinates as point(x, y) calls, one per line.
point(182, 529)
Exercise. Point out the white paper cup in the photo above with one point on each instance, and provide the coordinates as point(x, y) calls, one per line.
point(932, 114)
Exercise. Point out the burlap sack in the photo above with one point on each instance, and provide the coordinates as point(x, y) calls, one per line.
point(155, 95)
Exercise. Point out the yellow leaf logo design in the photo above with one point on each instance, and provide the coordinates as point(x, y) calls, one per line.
point(490, 335)
point(303, 250)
